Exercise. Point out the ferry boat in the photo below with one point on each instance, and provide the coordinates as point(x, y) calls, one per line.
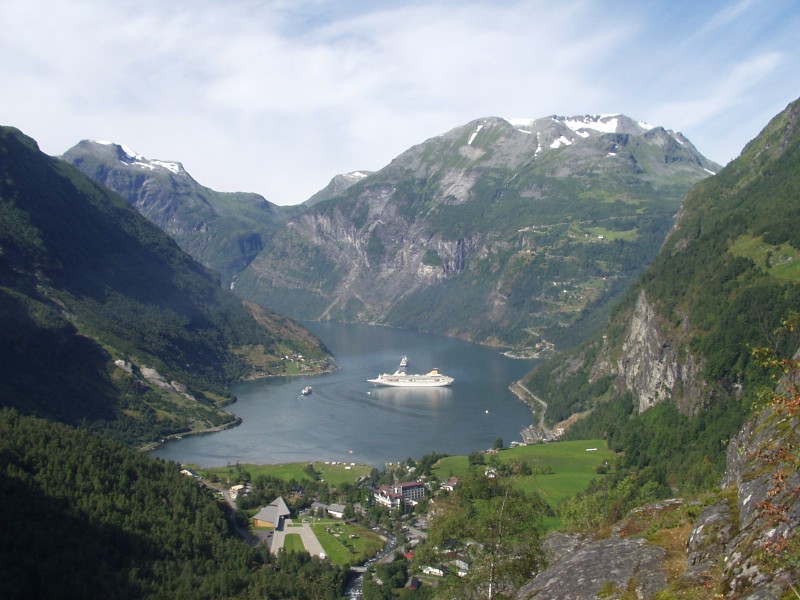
point(401, 379)
point(306, 390)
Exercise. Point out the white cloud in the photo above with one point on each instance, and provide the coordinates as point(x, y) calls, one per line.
point(277, 97)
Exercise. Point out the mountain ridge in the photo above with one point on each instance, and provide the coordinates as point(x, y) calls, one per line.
point(109, 322)
point(223, 230)
point(450, 214)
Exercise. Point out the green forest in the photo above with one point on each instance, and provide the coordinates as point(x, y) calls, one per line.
point(85, 517)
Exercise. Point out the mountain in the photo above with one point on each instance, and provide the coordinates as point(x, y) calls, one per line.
point(224, 231)
point(682, 383)
point(728, 274)
point(337, 186)
point(106, 322)
point(514, 233)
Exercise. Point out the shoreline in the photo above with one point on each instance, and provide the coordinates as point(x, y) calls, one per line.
point(236, 420)
point(536, 432)
point(150, 446)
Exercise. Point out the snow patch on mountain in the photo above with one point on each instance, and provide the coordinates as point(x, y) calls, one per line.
point(561, 141)
point(139, 160)
point(601, 123)
point(170, 166)
point(474, 133)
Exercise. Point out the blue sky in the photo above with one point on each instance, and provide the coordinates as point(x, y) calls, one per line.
point(278, 97)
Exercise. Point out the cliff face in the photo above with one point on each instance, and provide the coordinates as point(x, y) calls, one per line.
point(654, 364)
point(753, 535)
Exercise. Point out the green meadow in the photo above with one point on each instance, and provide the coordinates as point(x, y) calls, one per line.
point(335, 475)
point(561, 469)
point(781, 261)
point(346, 543)
point(293, 543)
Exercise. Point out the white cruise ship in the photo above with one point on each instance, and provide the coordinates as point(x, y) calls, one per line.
point(402, 379)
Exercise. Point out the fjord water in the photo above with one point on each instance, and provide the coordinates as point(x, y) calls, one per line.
point(346, 418)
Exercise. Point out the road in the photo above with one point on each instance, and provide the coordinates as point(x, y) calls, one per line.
point(528, 397)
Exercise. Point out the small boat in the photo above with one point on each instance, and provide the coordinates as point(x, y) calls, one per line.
point(306, 390)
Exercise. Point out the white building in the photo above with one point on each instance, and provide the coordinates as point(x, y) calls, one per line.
point(398, 494)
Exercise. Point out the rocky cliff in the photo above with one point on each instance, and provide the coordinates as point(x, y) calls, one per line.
point(653, 364)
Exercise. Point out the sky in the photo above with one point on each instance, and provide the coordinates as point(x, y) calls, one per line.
point(277, 97)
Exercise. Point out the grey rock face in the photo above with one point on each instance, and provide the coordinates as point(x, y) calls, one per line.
point(604, 566)
point(713, 531)
point(748, 571)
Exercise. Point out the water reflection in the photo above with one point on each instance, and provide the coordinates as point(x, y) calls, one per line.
point(410, 396)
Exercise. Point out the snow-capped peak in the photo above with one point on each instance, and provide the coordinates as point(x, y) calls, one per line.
point(139, 160)
point(601, 123)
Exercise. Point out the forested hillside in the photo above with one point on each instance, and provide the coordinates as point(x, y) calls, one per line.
point(105, 321)
point(673, 377)
point(85, 517)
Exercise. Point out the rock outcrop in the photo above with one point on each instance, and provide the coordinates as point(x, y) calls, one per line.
point(753, 536)
point(591, 569)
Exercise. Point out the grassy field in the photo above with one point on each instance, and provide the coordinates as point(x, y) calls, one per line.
point(293, 543)
point(566, 467)
point(335, 475)
point(346, 543)
point(782, 262)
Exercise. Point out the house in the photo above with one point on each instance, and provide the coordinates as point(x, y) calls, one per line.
point(272, 515)
point(413, 583)
point(437, 571)
point(336, 511)
point(319, 509)
point(189, 473)
point(386, 497)
point(238, 490)
point(450, 484)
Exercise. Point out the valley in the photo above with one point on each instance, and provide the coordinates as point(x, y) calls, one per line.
point(667, 296)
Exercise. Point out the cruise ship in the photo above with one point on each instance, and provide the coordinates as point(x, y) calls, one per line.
point(401, 379)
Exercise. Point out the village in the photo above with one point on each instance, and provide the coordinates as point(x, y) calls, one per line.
point(387, 524)
point(376, 523)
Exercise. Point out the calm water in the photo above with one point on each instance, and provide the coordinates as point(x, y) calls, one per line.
point(347, 418)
